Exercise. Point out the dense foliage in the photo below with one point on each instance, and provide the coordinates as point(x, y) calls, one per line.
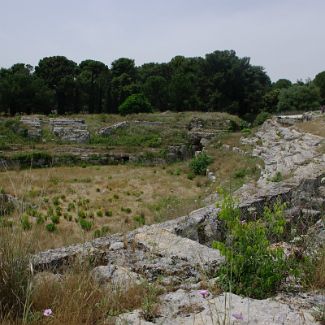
point(220, 81)
point(252, 268)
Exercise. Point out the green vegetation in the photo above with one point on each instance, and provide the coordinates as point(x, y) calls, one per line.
point(299, 98)
point(252, 268)
point(200, 163)
point(136, 103)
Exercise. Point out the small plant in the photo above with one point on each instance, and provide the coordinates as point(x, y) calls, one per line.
point(85, 225)
point(40, 220)
point(200, 163)
point(126, 210)
point(116, 197)
point(190, 176)
point(278, 177)
point(240, 173)
point(55, 219)
point(99, 213)
point(82, 214)
point(140, 219)
point(71, 207)
point(56, 201)
point(25, 223)
point(108, 213)
point(50, 227)
point(101, 232)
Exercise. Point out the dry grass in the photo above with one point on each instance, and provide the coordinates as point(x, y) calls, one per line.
point(77, 299)
point(316, 127)
point(121, 192)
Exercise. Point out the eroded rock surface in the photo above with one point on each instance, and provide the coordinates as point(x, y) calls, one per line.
point(188, 308)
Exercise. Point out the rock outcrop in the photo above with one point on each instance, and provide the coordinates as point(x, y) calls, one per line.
point(33, 125)
point(70, 130)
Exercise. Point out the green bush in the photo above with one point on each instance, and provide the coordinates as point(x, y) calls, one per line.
point(136, 103)
point(252, 268)
point(200, 163)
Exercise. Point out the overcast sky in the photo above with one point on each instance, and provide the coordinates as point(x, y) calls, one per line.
point(286, 37)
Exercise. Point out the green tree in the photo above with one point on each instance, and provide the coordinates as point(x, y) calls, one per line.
point(59, 73)
point(123, 83)
point(136, 103)
point(319, 81)
point(23, 92)
point(299, 98)
point(92, 80)
point(282, 83)
point(155, 89)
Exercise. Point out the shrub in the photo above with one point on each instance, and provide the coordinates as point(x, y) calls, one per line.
point(252, 268)
point(136, 103)
point(99, 213)
point(50, 227)
point(200, 163)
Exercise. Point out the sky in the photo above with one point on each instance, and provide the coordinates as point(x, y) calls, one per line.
point(286, 37)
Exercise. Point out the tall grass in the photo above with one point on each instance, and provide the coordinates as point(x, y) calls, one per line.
point(15, 273)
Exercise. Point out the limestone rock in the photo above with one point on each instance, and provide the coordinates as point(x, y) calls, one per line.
point(109, 130)
point(167, 244)
point(70, 130)
point(119, 277)
point(188, 308)
point(34, 126)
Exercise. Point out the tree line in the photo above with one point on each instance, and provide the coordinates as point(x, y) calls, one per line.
point(220, 81)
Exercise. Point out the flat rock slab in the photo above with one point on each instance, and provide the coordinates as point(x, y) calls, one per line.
point(167, 244)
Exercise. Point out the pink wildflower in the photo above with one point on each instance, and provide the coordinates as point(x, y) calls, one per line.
point(204, 293)
point(48, 312)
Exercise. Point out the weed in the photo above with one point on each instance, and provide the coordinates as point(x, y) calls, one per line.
point(25, 222)
point(278, 177)
point(55, 219)
point(85, 225)
point(51, 227)
point(140, 219)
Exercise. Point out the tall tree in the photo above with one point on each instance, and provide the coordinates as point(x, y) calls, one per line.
point(23, 92)
point(59, 73)
point(92, 80)
point(319, 81)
